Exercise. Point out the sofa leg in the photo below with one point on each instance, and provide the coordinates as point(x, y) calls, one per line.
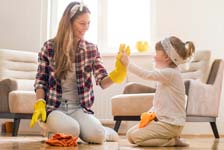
point(117, 125)
point(214, 129)
point(15, 126)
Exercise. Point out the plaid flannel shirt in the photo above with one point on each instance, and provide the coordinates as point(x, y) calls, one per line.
point(88, 62)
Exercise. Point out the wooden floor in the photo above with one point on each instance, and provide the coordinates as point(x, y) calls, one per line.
point(37, 143)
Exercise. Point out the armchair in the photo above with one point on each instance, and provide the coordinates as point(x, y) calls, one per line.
point(137, 98)
point(17, 74)
point(200, 98)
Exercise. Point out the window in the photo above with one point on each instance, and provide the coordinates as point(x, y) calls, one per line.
point(57, 9)
point(112, 22)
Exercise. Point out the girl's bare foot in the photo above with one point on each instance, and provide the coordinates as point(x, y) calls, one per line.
point(181, 142)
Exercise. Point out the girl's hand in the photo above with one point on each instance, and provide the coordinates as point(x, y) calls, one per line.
point(125, 58)
point(119, 73)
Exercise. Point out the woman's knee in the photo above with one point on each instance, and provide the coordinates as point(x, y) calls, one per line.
point(96, 135)
point(57, 121)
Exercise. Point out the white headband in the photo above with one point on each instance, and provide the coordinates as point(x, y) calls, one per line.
point(171, 52)
point(75, 8)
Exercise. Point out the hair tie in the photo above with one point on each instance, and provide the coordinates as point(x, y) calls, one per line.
point(171, 52)
point(75, 8)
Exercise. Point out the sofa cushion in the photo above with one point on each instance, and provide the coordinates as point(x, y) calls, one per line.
point(17, 64)
point(21, 101)
point(137, 103)
point(25, 85)
point(197, 69)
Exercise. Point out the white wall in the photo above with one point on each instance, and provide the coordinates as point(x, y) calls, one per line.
point(23, 24)
point(200, 21)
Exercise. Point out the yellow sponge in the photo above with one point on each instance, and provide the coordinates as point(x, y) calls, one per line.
point(146, 118)
point(142, 46)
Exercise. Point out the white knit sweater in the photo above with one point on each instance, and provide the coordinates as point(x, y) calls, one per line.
point(169, 100)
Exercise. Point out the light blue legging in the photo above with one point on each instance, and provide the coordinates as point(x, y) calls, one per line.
point(77, 123)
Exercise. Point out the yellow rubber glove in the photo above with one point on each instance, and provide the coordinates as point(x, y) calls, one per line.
point(39, 112)
point(146, 118)
point(142, 46)
point(120, 72)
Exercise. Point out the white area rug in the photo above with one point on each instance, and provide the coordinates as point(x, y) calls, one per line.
point(5, 139)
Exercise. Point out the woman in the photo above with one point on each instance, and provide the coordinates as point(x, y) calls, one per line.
point(63, 82)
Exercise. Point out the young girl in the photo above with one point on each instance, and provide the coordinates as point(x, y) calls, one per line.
point(169, 99)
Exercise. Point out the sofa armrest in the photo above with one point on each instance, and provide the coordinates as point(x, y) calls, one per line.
point(203, 99)
point(131, 104)
point(6, 86)
point(22, 101)
point(134, 88)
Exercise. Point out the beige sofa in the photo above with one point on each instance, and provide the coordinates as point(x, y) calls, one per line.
point(17, 74)
point(139, 96)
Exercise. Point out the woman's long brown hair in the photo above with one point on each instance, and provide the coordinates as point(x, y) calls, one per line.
point(64, 47)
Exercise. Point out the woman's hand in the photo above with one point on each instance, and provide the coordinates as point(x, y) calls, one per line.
point(39, 112)
point(119, 73)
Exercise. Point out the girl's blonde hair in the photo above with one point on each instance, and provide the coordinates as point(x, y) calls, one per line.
point(185, 50)
point(64, 47)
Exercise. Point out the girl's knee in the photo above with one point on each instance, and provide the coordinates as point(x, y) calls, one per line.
point(133, 138)
point(130, 140)
point(130, 136)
